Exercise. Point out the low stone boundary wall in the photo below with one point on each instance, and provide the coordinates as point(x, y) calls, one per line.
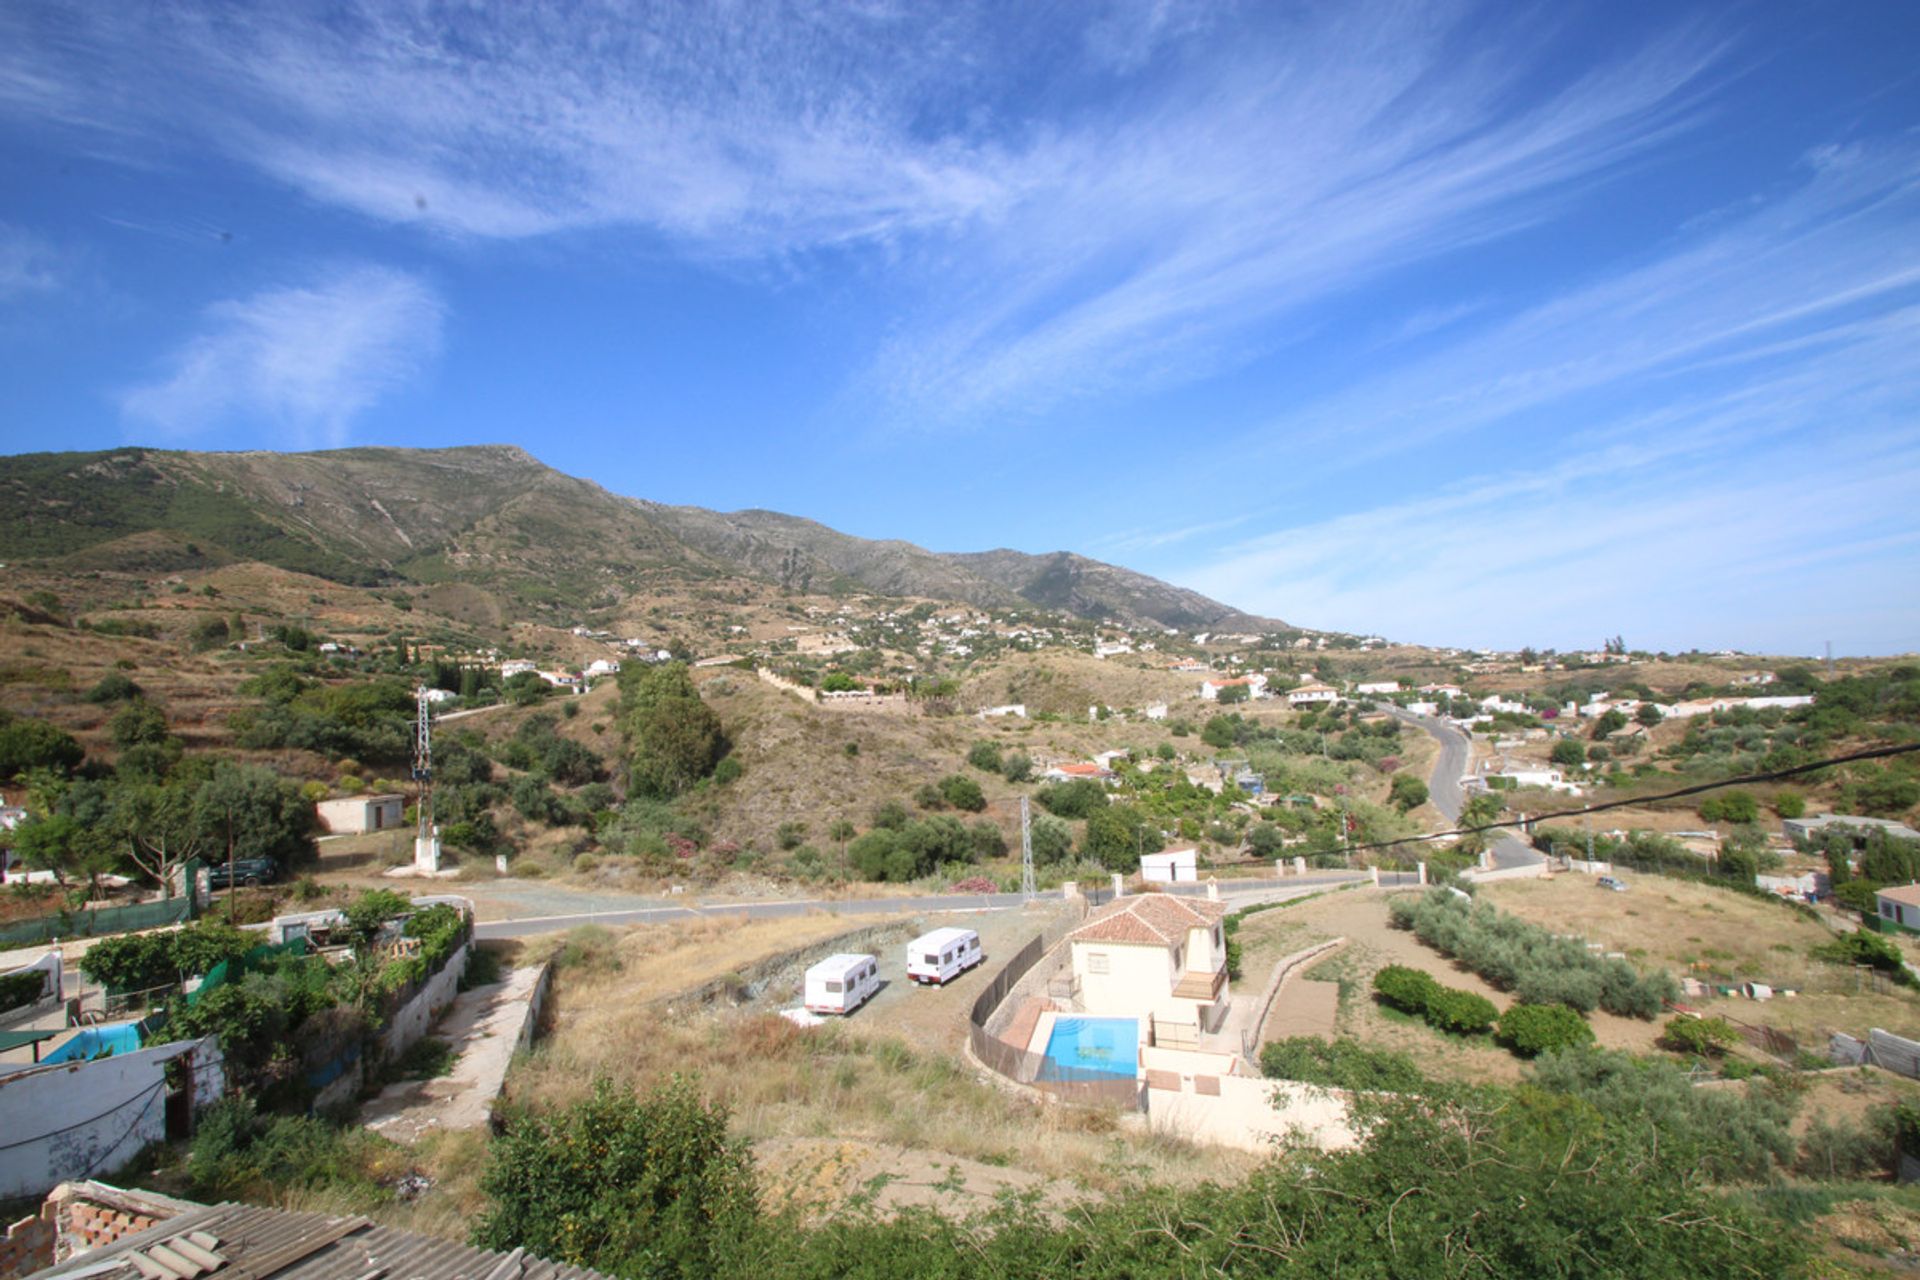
point(1283, 970)
point(771, 972)
point(1528, 871)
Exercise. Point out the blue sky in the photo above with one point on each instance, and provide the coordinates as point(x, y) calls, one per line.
point(1477, 324)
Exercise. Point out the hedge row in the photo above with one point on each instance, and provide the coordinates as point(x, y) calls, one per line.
point(1443, 1008)
point(1537, 966)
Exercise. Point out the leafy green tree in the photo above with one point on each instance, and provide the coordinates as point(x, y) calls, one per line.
point(1219, 732)
point(1052, 840)
point(1730, 806)
point(1016, 767)
point(256, 813)
point(27, 744)
point(650, 1187)
point(1079, 798)
point(673, 738)
point(115, 686)
point(1406, 792)
point(962, 793)
point(985, 757)
point(1790, 804)
point(1568, 752)
point(160, 828)
point(1647, 715)
point(1233, 695)
point(1612, 722)
point(1117, 835)
point(138, 723)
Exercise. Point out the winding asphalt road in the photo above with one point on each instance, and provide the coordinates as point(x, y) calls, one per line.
point(1239, 891)
point(1449, 796)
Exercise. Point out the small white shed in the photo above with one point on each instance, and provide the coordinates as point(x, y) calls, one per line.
point(1170, 866)
point(357, 815)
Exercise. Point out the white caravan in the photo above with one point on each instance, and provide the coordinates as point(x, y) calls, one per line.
point(944, 954)
point(842, 983)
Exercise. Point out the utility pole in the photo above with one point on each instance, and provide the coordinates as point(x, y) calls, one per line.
point(426, 839)
point(1028, 889)
point(1829, 659)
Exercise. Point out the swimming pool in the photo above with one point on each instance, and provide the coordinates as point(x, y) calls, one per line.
point(92, 1042)
point(1085, 1047)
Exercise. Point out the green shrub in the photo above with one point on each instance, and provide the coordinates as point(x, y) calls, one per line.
point(1460, 1012)
point(1406, 988)
point(985, 757)
point(1533, 1029)
point(1865, 947)
point(1340, 1064)
point(1699, 1037)
point(648, 1187)
point(23, 988)
point(962, 793)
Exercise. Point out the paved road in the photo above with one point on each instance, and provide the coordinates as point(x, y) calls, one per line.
point(1449, 797)
point(1240, 891)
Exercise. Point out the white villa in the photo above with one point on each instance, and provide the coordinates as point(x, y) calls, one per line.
point(1154, 956)
point(1256, 686)
point(1309, 694)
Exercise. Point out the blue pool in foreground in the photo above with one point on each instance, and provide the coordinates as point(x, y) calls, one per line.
point(1080, 1048)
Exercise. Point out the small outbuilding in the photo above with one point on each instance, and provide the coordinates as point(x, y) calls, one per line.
point(1170, 866)
point(357, 815)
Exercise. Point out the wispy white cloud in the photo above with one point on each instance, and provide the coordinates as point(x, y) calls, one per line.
point(1730, 519)
point(301, 362)
point(1049, 231)
point(28, 264)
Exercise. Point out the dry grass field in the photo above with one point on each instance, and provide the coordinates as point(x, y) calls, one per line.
point(835, 1107)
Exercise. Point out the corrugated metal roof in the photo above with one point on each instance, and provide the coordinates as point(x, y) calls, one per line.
point(300, 1246)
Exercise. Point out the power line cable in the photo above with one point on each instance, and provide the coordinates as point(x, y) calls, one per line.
point(1772, 775)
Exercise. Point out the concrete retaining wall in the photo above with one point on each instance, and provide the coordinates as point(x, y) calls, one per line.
point(1531, 871)
point(1253, 1115)
point(413, 1018)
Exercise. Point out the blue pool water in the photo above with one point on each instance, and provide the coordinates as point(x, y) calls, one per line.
point(91, 1042)
point(1083, 1047)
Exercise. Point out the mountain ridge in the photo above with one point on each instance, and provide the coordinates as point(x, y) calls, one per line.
point(494, 514)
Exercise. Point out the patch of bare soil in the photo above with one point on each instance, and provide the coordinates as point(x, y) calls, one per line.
point(827, 1175)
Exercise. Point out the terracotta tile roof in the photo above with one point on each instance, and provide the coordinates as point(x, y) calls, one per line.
point(1148, 919)
point(1082, 770)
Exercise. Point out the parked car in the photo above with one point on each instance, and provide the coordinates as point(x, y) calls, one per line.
point(1609, 882)
point(247, 871)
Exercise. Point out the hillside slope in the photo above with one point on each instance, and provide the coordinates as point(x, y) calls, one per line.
point(494, 517)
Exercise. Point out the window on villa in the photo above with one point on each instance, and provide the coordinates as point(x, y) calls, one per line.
point(1097, 962)
point(1179, 956)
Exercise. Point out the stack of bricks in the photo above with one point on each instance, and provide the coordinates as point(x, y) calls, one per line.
point(28, 1246)
point(91, 1225)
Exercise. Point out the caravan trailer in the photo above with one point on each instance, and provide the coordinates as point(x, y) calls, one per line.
point(841, 983)
point(945, 954)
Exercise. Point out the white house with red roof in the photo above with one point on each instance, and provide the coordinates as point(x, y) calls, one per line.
point(1256, 686)
point(1153, 955)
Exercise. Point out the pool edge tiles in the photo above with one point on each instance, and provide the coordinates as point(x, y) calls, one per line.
point(1079, 1063)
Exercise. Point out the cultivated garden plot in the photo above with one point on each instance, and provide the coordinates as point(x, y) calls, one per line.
point(1719, 936)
